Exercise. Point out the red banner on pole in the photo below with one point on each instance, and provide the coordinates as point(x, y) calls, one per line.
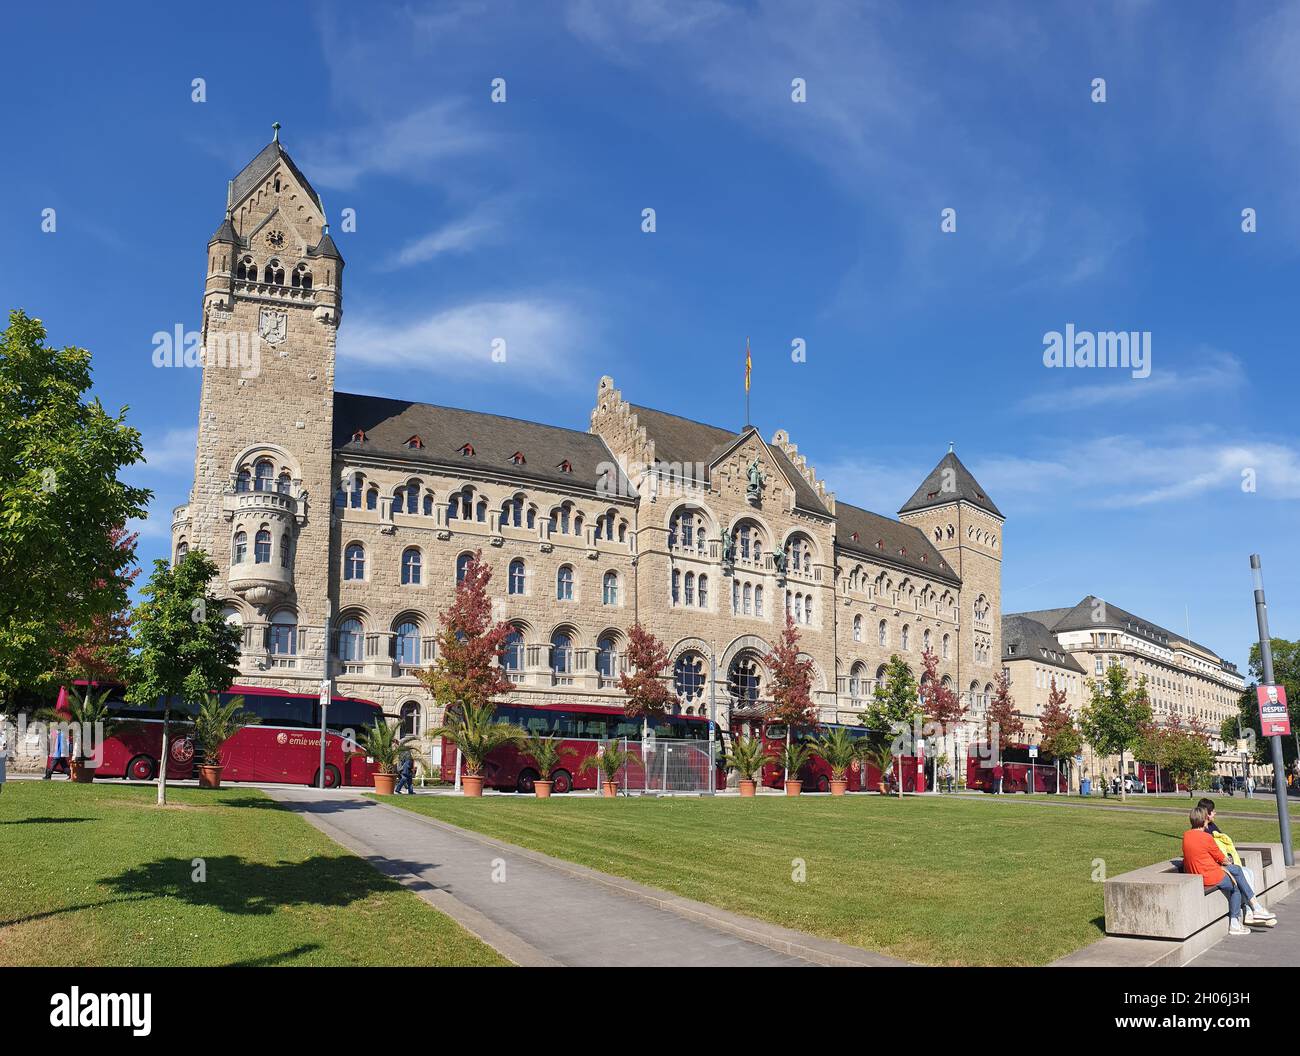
point(1274, 719)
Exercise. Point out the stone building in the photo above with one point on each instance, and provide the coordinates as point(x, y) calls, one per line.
point(1184, 678)
point(340, 521)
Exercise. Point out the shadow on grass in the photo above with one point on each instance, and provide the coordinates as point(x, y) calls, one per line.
point(250, 803)
point(276, 958)
point(234, 885)
point(44, 821)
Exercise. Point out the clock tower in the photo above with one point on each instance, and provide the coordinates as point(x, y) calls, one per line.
point(262, 475)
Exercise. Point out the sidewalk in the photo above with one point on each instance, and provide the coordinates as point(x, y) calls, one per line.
point(1277, 947)
point(540, 911)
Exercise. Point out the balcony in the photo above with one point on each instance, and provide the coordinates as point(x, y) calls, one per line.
point(271, 291)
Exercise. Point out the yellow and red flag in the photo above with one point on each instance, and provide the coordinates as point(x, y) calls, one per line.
point(749, 364)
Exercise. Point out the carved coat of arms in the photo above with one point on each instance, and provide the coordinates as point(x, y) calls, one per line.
point(273, 326)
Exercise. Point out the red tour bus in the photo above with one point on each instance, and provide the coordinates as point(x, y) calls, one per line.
point(284, 746)
point(862, 776)
point(582, 728)
point(1016, 768)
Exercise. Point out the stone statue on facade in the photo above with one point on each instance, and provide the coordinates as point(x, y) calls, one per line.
point(754, 489)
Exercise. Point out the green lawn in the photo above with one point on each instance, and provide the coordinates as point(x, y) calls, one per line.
point(1181, 803)
point(100, 875)
point(937, 881)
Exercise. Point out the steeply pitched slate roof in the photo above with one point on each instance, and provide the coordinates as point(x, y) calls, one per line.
point(389, 425)
point(964, 486)
point(1024, 638)
point(682, 440)
point(921, 556)
point(255, 171)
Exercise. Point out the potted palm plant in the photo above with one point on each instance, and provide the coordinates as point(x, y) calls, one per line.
point(476, 731)
point(545, 753)
point(609, 760)
point(794, 757)
point(89, 711)
point(383, 742)
point(881, 756)
point(214, 724)
point(747, 757)
point(839, 749)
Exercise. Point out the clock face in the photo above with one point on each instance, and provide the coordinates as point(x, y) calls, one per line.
point(275, 239)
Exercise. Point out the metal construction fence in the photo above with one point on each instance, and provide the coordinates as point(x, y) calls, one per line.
point(668, 766)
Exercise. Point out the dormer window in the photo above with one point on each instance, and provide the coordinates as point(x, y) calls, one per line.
point(415, 443)
point(880, 544)
point(854, 537)
point(359, 436)
point(466, 450)
point(565, 467)
point(518, 458)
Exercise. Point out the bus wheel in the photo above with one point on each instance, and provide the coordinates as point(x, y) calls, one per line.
point(563, 782)
point(823, 784)
point(141, 768)
point(525, 782)
point(332, 777)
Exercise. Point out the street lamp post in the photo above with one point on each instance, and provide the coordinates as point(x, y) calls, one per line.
point(1266, 656)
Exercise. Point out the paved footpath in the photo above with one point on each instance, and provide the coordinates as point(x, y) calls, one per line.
point(548, 912)
point(1277, 947)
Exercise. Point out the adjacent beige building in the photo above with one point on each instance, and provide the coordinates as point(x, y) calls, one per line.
point(340, 520)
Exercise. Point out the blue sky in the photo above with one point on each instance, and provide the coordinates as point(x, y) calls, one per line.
point(775, 219)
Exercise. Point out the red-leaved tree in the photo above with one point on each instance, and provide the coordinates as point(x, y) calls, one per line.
point(467, 671)
point(1057, 732)
point(1002, 715)
point(98, 650)
point(942, 706)
point(645, 689)
point(790, 677)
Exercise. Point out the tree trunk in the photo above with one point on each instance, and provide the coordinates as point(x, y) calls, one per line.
point(162, 763)
point(1123, 797)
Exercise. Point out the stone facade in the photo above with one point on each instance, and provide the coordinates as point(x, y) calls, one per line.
point(339, 520)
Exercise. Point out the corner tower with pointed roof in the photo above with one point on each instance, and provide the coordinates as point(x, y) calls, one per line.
point(262, 473)
point(965, 526)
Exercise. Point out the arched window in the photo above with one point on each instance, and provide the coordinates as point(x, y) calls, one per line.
point(758, 601)
point(262, 547)
point(243, 479)
point(564, 583)
point(262, 474)
point(925, 640)
point(283, 483)
point(411, 718)
point(512, 512)
point(411, 566)
point(562, 652)
point(807, 609)
point(406, 643)
point(182, 548)
point(426, 507)
point(352, 641)
point(412, 498)
point(372, 499)
point(462, 566)
point(354, 494)
point(857, 628)
point(906, 638)
point(609, 592)
point(883, 632)
point(798, 553)
point(512, 658)
point(301, 277)
point(247, 270)
point(480, 511)
point(286, 550)
point(688, 676)
point(284, 634)
point(239, 549)
point(677, 586)
point(354, 562)
point(857, 681)
point(702, 591)
point(606, 654)
point(689, 596)
point(747, 604)
point(515, 577)
point(744, 678)
point(686, 530)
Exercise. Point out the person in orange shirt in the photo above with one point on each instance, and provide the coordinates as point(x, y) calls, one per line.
point(1201, 855)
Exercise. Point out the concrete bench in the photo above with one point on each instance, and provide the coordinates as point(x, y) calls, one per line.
point(1162, 902)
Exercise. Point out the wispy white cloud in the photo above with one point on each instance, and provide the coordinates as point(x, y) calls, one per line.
point(540, 337)
point(1221, 374)
point(459, 236)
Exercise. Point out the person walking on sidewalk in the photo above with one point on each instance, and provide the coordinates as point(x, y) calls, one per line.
point(404, 775)
point(60, 747)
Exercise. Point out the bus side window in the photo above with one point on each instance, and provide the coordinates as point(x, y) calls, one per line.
point(592, 727)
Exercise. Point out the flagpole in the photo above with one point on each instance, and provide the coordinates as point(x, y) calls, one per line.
point(748, 366)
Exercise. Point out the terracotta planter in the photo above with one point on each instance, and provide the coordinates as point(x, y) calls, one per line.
point(793, 788)
point(81, 773)
point(609, 789)
point(838, 788)
point(209, 777)
point(747, 788)
point(384, 784)
point(471, 784)
point(542, 789)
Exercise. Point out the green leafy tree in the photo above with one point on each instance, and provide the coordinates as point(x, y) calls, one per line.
point(60, 503)
point(1113, 719)
point(184, 649)
point(1188, 754)
point(894, 708)
point(1286, 672)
